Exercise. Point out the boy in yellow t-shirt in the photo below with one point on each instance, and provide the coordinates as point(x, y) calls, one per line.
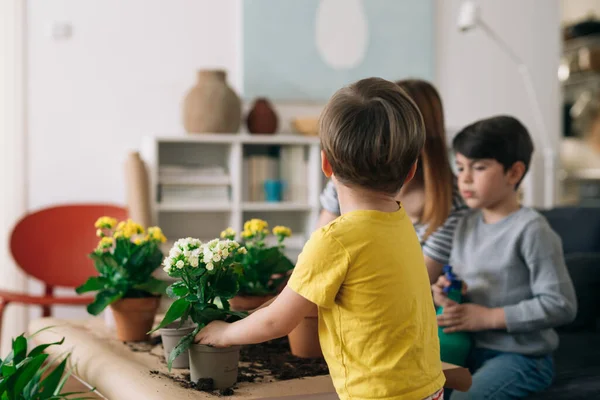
point(365, 270)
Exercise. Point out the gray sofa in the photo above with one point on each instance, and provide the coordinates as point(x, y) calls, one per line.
point(578, 356)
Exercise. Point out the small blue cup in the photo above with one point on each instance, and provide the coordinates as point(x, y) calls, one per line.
point(274, 190)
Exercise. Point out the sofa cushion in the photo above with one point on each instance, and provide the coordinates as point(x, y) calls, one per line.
point(578, 227)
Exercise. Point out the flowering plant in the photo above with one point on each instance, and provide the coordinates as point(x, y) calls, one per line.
point(264, 267)
point(209, 276)
point(125, 259)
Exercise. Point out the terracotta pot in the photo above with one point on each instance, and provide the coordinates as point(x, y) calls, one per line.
point(262, 117)
point(218, 364)
point(134, 317)
point(304, 339)
point(171, 336)
point(212, 106)
point(247, 303)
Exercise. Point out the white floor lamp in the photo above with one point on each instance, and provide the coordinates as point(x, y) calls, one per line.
point(468, 19)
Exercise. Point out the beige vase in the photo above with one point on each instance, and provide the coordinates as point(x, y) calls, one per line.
point(212, 106)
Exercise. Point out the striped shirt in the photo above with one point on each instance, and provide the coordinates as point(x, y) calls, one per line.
point(438, 245)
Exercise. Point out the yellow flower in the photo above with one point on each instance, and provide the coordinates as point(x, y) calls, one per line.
point(256, 225)
point(228, 233)
point(128, 229)
point(99, 233)
point(138, 241)
point(156, 234)
point(282, 231)
point(105, 243)
point(247, 234)
point(105, 223)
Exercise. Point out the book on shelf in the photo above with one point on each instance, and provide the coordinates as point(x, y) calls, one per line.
point(181, 193)
point(258, 169)
point(294, 172)
point(190, 171)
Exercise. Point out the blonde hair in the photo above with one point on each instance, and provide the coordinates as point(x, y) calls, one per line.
point(372, 134)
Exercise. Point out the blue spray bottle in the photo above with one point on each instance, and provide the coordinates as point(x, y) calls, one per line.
point(454, 347)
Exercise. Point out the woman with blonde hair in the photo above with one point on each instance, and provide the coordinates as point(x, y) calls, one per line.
point(431, 198)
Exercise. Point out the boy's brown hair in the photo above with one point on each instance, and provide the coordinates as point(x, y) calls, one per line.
point(372, 134)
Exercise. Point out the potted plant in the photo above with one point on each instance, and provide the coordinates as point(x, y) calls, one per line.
point(125, 259)
point(209, 275)
point(24, 375)
point(264, 267)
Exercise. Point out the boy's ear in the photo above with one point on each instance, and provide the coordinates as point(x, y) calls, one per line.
point(325, 166)
point(411, 173)
point(516, 172)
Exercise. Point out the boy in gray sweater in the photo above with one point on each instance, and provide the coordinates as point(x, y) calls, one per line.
point(516, 283)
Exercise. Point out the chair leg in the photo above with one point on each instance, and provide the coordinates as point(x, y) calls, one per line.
point(3, 305)
point(46, 310)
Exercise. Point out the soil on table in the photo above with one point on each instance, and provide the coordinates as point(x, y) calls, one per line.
point(269, 361)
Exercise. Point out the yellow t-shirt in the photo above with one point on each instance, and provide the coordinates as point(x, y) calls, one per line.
point(377, 327)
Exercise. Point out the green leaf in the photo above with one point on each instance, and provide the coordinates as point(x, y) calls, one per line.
point(176, 310)
point(226, 285)
point(177, 289)
point(182, 346)
point(19, 380)
point(40, 349)
point(92, 284)
point(8, 370)
point(49, 385)
point(103, 299)
point(153, 285)
point(236, 314)
point(19, 346)
point(211, 313)
point(283, 265)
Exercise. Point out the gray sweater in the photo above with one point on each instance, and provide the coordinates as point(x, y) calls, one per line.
point(518, 264)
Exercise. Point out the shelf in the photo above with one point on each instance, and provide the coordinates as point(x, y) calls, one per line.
point(275, 206)
point(195, 206)
point(196, 181)
point(244, 138)
point(584, 174)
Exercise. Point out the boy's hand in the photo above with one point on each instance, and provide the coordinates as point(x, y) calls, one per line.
point(213, 334)
point(470, 318)
point(439, 297)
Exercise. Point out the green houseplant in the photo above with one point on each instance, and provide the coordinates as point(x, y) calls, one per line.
point(24, 375)
point(209, 274)
point(264, 266)
point(125, 259)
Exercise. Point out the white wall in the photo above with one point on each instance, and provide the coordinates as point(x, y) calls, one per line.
point(477, 80)
point(576, 10)
point(121, 75)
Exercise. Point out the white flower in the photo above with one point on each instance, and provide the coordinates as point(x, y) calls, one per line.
point(216, 258)
point(242, 250)
point(167, 268)
point(225, 253)
point(194, 261)
point(175, 252)
point(210, 266)
point(208, 255)
point(180, 264)
point(187, 253)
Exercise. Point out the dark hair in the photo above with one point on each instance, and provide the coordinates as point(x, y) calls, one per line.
point(502, 138)
point(434, 166)
point(372, 134)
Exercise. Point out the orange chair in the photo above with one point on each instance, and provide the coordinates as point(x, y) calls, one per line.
point(52, 245)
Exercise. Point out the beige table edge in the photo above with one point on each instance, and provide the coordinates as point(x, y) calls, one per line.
point(99, 361)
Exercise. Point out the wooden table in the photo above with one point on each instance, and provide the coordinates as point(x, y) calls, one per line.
point(118, 373)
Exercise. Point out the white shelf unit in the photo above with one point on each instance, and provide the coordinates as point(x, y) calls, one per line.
point(206, 218)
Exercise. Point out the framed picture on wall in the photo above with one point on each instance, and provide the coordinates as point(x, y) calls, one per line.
point(305, 50)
